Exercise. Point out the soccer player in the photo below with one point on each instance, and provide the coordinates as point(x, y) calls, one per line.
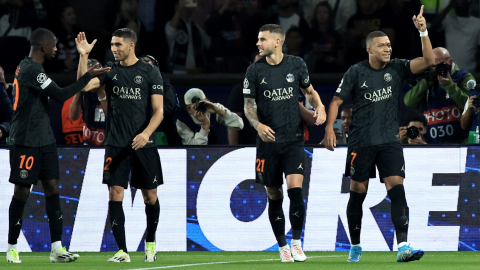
point(271, 88)
point(374, 86)
point(33, 154)
point(135, 109)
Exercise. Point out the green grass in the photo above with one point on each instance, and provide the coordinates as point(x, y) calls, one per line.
point(251, 260)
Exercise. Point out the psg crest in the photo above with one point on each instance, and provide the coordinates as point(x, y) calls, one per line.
point(290, 77)
point(138, 80)
point(387, 77)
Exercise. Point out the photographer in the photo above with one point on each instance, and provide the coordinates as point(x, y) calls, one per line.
point(441, 96)
point(196, 125)
point(469, 118)
point(414, 129)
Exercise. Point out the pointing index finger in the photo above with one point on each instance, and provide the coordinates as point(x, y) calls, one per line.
point(421, 11)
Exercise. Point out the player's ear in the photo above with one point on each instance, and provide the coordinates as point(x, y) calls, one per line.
point(369, 50)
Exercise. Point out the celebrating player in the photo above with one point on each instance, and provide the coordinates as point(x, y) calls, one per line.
point(273, 83)
point(135, 109)
point(374, 86)
point(33, 153)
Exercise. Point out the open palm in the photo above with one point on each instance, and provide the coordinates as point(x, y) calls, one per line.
point(83, 47)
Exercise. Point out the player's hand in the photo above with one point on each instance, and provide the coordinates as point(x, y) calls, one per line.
point(403, 134)
point(320, 115)
point(265, 133)
point(83, 47)
point(140, 141)
point(1, 133)
point(2, 78)
point(95, 71)
point(419, 21)
point(330, 139)
point(442, 80)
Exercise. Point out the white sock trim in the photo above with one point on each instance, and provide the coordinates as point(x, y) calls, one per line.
point(56, 245)
point(402, 244)
point(358, 245)
point(12, 246)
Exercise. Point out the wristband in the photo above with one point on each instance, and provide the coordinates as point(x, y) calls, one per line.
point(424, 34)
point(102, 99)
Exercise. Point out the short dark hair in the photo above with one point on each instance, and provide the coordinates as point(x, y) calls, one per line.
point(373, 35)
point(348, 106)
point(92, 62)
point(151, 58)
point(416, 116)
point(41, 36)
point(272, 28)
point(125, 33)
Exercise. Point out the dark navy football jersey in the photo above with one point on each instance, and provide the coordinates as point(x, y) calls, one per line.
point(375, 94)
point(275, 89)
point(129, 90)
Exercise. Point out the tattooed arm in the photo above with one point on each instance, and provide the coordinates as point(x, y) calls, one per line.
point(265, 132)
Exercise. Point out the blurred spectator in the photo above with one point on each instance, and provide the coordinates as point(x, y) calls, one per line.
point(228, 28)
point(369, 18)
point(288, 17)
point(341, 131)
point(16, 25)
point(166, 133)
point(196, 125)
point(294, 41)
point(441, 96)
point(128, 18)
point(342, 10)
point(462, 33)
point(414, 129)
point(187, 42)
point(326, 51)
point(86, 109)
point(469, 118)
point(247, 135)
point(66, 32)
point(6, 109)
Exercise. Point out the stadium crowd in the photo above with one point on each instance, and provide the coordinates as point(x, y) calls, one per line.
point(219, 36)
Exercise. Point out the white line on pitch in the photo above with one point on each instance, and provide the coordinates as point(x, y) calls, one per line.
point(210, 263)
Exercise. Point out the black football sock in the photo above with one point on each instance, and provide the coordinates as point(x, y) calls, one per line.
point(297, 211)
point(117, 221)
point(15, 213)
point(55, 218)
point(354, 215)
point(277, 220)
point(153, 213)
point(399, 212)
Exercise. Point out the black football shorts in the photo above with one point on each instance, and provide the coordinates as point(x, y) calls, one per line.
point(30, 164)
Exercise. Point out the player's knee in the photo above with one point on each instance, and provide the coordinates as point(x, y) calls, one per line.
point(295, 195)
point(359, 187)
point(275, 193)
point(116, 193)
point(50, 187)
point(21, 192)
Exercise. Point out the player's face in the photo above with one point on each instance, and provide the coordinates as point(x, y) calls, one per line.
point(121, 48)
point(267, 42)
point(346, 119)
point(381, 49)
point(50, 49)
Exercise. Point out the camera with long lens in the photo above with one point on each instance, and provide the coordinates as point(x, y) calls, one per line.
point(443, 69)
point(199, 106)
point(413, 132)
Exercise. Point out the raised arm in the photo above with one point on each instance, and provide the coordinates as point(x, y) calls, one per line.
point(84, 48)
point(314, 99)
point(419, 64)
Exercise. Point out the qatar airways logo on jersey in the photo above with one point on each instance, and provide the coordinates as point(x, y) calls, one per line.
point(279, 93)
point(379, 94)
point(127, 92)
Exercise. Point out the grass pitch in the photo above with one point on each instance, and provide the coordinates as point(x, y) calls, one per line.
point(250, 260)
